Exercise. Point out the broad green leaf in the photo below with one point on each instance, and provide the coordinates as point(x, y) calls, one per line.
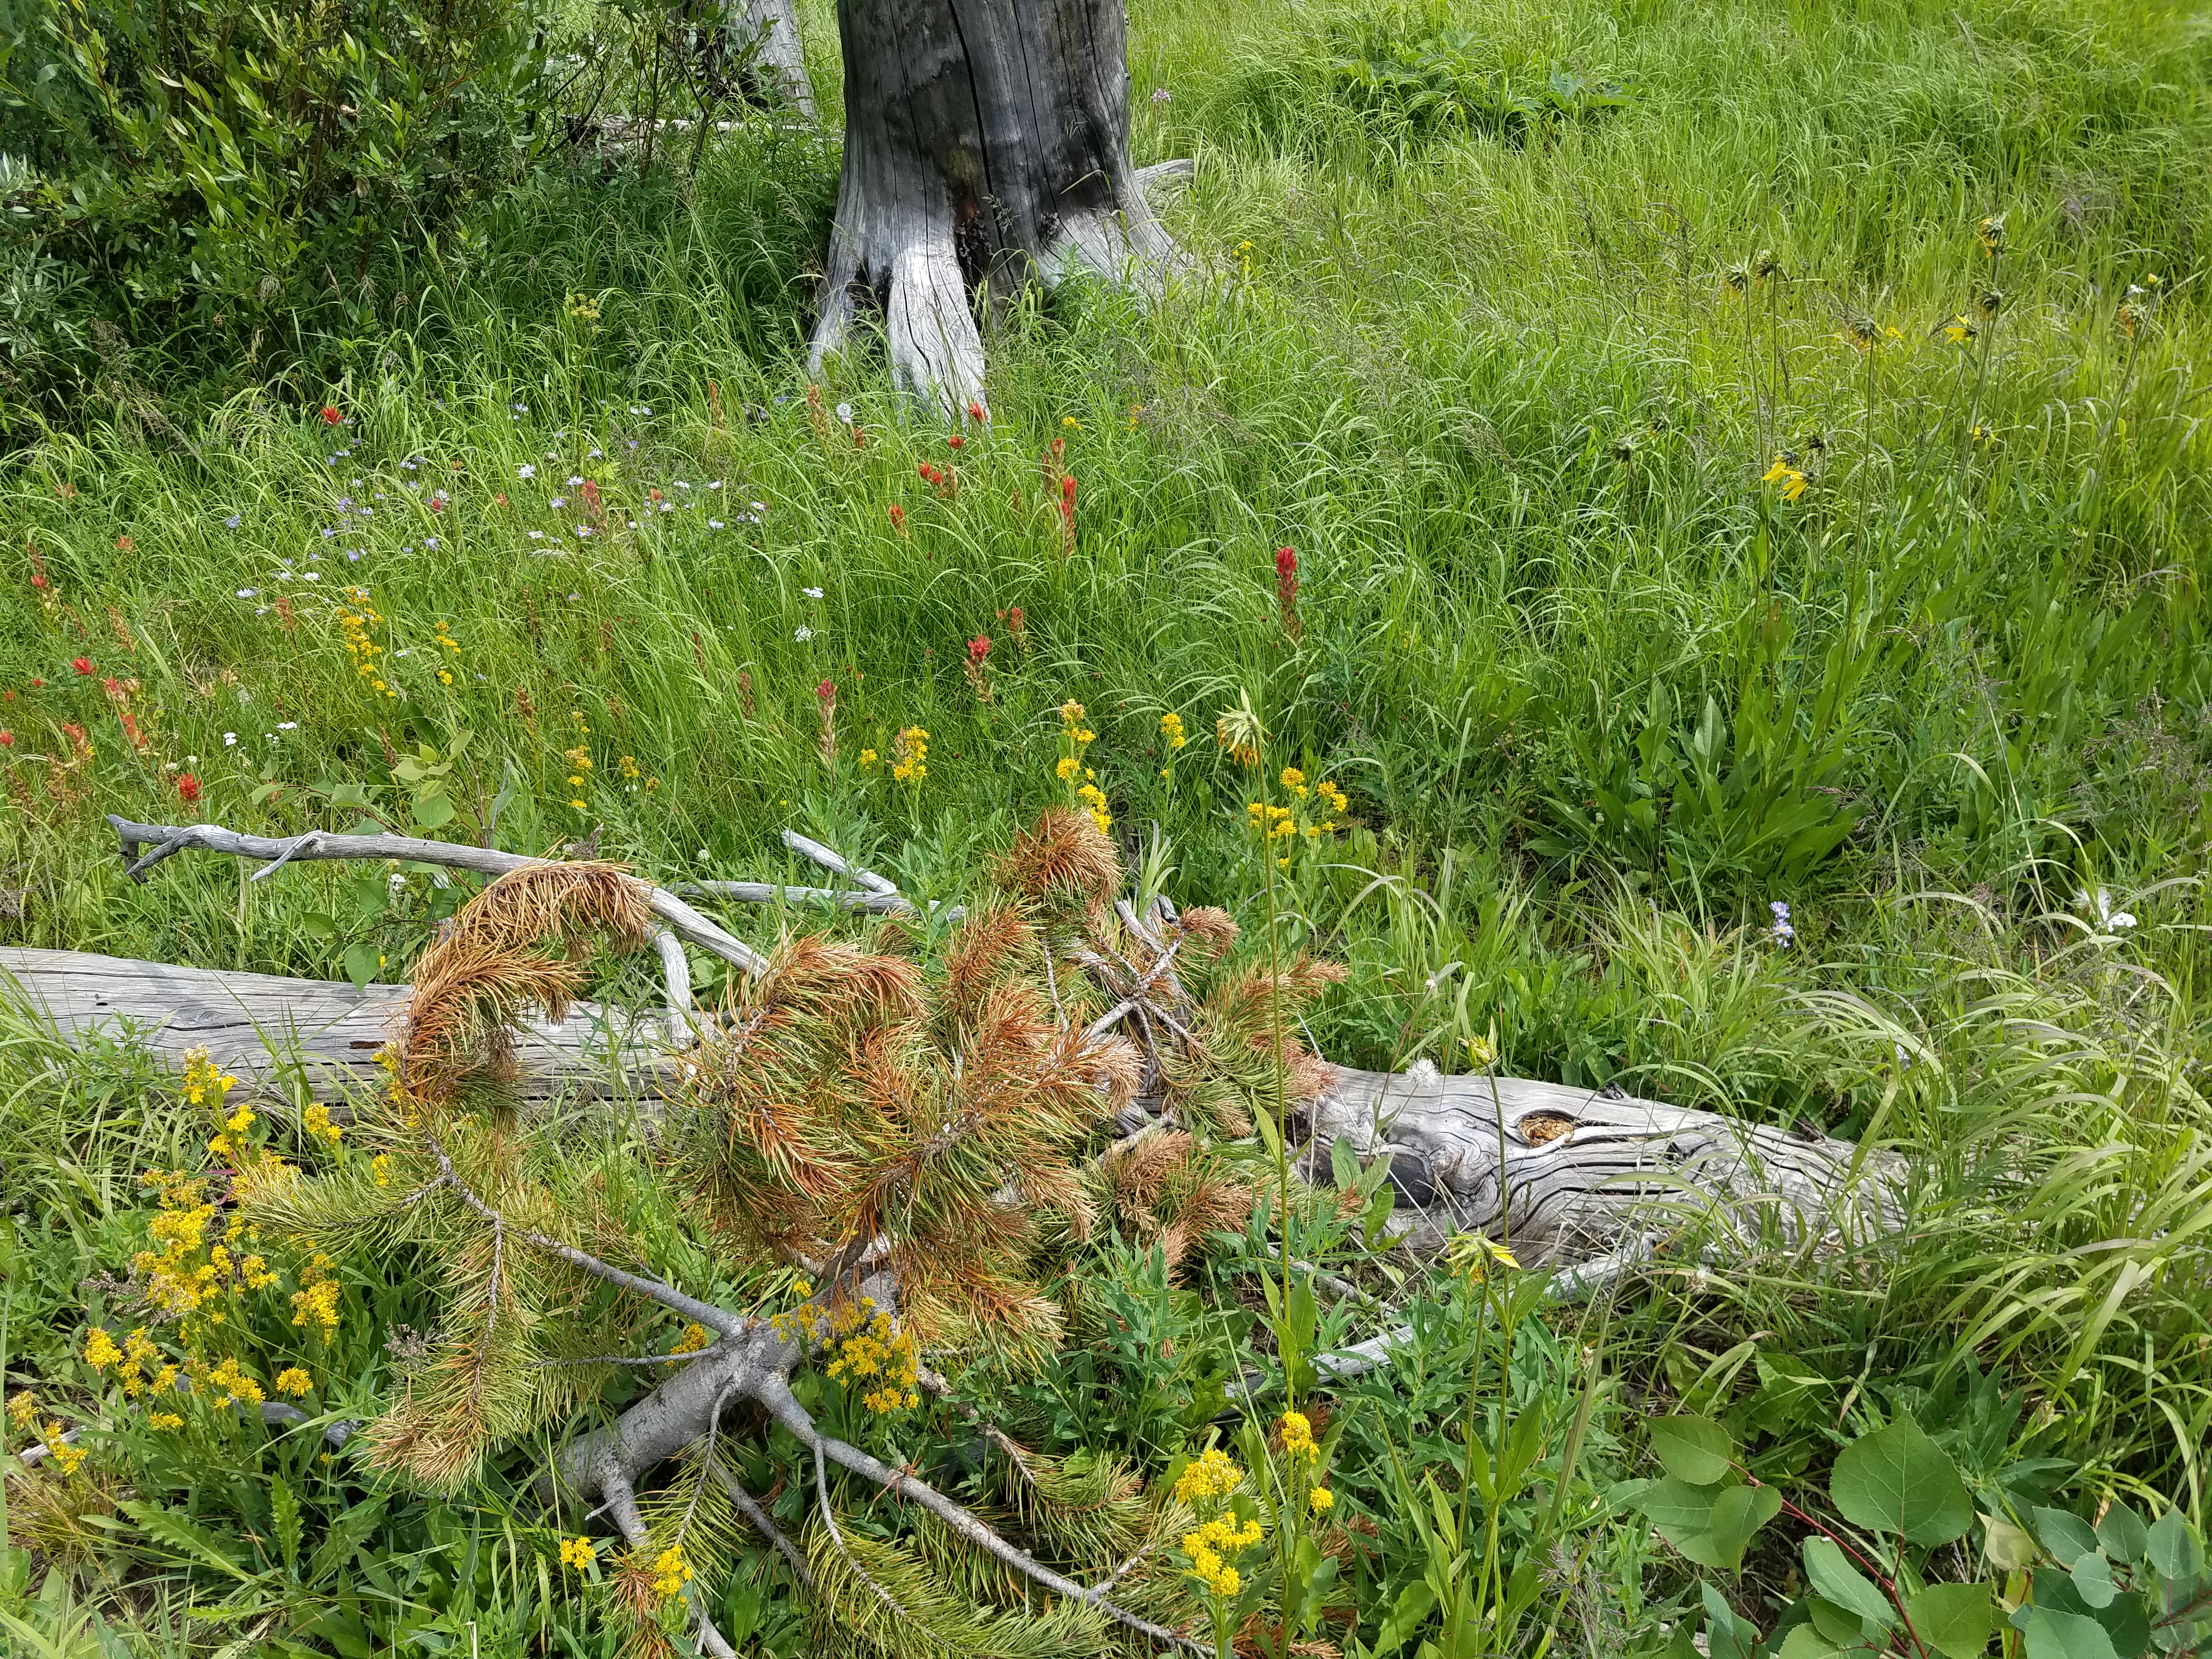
point(2053, 1635)
point(362, 962)
point(1726, 1636)
point(1804, 1641)
point(1833, 1577)
point(2068, 1537)
point(2006, 1547)
point(1692, 1449)
point(1842, 1629)
point(2124, 1534)
point(2092, 1581)
point(2171, 1548)
point(1897, 1481)
point(1735, 1517)
point(1957, 1620)
point(434, 810)
point(1343, 1164)
point(1414, 1604)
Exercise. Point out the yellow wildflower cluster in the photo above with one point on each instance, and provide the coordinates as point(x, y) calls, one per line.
point(578, 1552)
point(379, 1169)
point(317, 1122)
point(164, 1420)
point(1210, 1475)
point(1297, 1436)
point(695, 1337)
point(1322, 1500)
point(232, 1385)
point(579, 767)
point(1074, 737)
point(1171, 729)
point(295, 1381)
point(67, 1458)
point(1211, 1547)
point(585, 309)
point(354, 625)
point(873, 1351)
point(137, 1363)
point(671, 1571)
point(446, 674)
point(22, 1408)
point(316, 1302)
point(1786, 472)
point(910, 754)
point(207, 1086)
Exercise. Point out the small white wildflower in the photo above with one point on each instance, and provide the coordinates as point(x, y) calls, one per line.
point(525, 470)
point(230, 739)
point(802, 634)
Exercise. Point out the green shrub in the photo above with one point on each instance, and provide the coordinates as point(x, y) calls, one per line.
point(207, 171)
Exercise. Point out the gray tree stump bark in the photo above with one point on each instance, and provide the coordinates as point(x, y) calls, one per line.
point(768, 29)
point(986, 144)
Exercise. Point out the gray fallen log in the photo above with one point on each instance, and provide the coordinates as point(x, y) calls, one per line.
point(1591, 1175)
point(273, 1032)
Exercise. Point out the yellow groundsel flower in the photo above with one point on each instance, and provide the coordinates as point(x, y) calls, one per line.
point(1171, 729)
point(671, 1572)
point(164, 1420)
point(695, 1337)
point(1211, 1475)
point(67, 1458)
point(22, 1408)
point(1297, 1435)
point(578, 1552)
point(99, 1350)
point(1322, 1500)
point(293, 1380)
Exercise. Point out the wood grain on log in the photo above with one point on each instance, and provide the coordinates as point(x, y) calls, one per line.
point(1590, 1172)
point(325, 1034)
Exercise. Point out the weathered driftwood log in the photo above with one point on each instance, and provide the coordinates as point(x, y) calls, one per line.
point(1594, 1172)
point(1591, 1175)
point(986, 143)
point(324, 1035)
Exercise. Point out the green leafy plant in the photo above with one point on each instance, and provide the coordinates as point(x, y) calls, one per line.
point(1873, 1566)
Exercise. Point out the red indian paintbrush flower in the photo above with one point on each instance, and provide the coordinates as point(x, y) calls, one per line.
point(188, 788)
point(1286, 589)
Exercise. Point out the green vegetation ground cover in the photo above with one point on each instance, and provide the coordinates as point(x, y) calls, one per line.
point(1732, 457)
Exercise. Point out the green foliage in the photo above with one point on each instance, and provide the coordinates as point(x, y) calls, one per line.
point(219, 167)
point(2115, 1589)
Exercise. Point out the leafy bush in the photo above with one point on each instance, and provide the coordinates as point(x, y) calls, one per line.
point(223, 166)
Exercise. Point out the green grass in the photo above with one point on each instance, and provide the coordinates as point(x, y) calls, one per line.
point(1599, 694)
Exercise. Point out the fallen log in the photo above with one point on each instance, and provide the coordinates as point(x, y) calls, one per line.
point(1566, 1174)
point(1599, 1173)
point(321, 1035)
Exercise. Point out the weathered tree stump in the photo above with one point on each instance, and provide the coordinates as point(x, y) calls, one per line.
point(986, 144)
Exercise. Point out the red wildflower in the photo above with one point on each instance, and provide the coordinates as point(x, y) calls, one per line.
point(898, 518)
point(188, 788)
point(979, 647)
point(38, 580)
point(827, 691)
point(1286, 561)
point(122, 544)
point(956, 441)
point(976, 412)
point(330, 417)
point(83, 665)
point(36, 683)
point(1015, 621)
point(1286, 589)
point(7, 739)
